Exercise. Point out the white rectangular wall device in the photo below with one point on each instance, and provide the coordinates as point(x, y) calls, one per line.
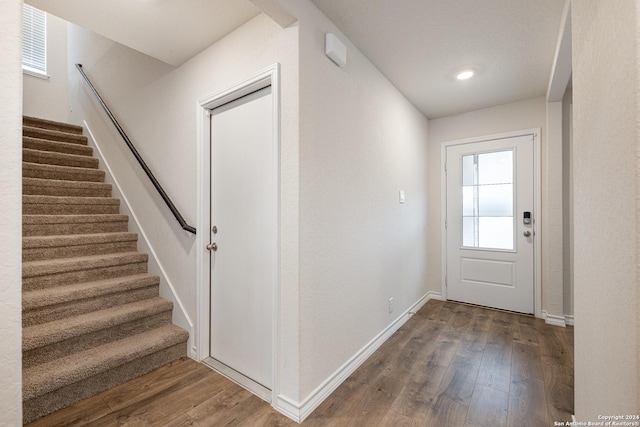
point(335, 49)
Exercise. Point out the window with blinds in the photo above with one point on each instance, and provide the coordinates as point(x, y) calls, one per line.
point(34, 40)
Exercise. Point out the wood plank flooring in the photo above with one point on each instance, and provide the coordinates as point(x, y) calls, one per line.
point(449, 365)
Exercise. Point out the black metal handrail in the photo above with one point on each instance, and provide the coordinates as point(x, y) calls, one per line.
point(139, 158)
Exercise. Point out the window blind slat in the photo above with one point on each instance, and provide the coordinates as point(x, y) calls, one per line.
point(34, 39)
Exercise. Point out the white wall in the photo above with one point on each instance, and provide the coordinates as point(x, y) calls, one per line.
point(11, 212)
point(516, 116)
point(361, 142)
point(567, 206)
point(48, 99)
point(552, 216)
point(605, 165)
point(156, 105)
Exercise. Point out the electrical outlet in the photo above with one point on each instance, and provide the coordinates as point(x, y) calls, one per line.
point(390, 305)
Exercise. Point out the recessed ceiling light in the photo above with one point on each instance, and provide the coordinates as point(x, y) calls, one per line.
point(465, 74)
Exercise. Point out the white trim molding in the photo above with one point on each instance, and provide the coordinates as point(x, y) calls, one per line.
point(269, 76)
point(287, 407)
point(34, 73)
point(298, 411)
point(569, 319)
point(258, 389)
point(180, 317)
point(554, 320)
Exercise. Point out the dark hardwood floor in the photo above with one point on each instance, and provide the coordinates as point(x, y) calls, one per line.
point(449, 365)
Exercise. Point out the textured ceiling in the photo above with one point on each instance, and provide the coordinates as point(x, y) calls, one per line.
point(417, 44)
point(169, 30)
point(420, 44)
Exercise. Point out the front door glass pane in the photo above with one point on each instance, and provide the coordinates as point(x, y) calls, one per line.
point(487, 200)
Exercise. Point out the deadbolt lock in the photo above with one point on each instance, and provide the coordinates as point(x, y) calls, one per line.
point(214, 229)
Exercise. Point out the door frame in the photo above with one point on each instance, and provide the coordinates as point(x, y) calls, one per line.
point(537, 203)
point(269, 76)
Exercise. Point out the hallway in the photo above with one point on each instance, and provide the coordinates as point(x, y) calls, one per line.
point(449, 365)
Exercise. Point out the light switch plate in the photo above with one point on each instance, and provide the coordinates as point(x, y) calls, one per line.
point(401, 196)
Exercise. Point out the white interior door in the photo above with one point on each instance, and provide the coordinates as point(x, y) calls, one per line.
point(490, 223)
point(243, 228)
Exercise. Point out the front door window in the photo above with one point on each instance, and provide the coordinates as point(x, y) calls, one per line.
point(487, 200)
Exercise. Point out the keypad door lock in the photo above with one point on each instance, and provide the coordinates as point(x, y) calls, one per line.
point(526, 218)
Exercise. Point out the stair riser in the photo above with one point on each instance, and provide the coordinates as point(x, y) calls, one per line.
point(50, 190)
point(68, 209)
point(93, 339)
point(54, 136)
point(59, 159)
point(77, 174)
point(45, 404)
point(68, 278)
point(50, 125)
point(56, 147)
point(39, 254)
point(74, 308)
point(66, 229)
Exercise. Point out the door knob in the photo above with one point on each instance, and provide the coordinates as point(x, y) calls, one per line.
point(212, 246)
point(527, 233)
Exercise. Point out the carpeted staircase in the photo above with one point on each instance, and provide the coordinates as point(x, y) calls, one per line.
point(91, 314)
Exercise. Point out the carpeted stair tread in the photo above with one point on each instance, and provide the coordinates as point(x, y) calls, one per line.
point(50, 124)
point(64, 265)
point(70, 219)
point(67, 173)
point(47, 225)
point(35, 299)
point(56, 374)
point(58, 187)
point(64, 329)
point(66, 271)
point(35, 248)
point(56, 146)
point(111, 331)
point(46, 305)
point(54, 135)
point(63, 219)
point(69, 205)
point(76, 239)
point(71, 200)
point(59, 159)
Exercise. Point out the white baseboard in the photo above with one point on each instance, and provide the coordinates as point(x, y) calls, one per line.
point(568, 318)
point(287, 407)
point(298, 411)
point(433, 295)
point(245, 382)
point(554, 320)
point(181, 318)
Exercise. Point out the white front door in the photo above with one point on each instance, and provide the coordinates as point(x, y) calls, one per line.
point(490, 223)
point(243, 228)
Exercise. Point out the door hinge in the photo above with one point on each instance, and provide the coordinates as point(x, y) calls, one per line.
point(446, 224)
point(445, 166)
point(446, 281)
